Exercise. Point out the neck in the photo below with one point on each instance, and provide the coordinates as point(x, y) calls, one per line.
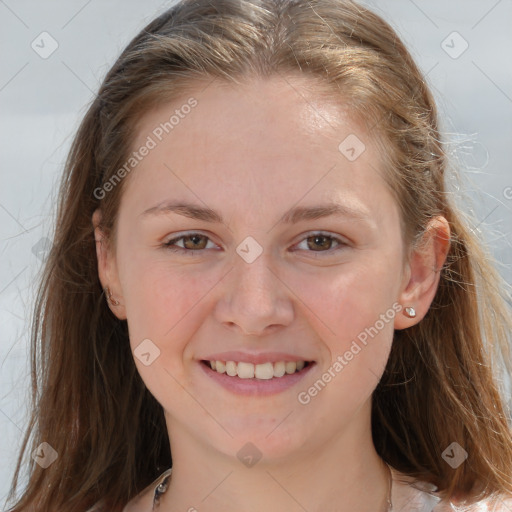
point(343, 473)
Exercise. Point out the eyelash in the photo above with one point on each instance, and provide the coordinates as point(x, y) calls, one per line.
point(169, 245)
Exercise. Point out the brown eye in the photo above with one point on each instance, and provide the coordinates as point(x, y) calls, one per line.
point(191, 243)
point(196, 242)
point(321, 242)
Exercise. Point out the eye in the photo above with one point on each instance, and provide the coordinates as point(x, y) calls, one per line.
point(196, 242)
point(322, 242)
point(192, 242)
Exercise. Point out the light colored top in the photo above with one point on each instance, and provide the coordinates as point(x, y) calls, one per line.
point(407, 495)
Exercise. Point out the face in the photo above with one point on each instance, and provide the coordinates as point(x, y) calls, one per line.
point(265, 279)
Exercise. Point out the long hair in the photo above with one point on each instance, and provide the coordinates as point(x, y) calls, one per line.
point(440, 385)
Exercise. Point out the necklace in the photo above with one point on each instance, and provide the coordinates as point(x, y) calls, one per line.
point(162, 487)
point(389, 504)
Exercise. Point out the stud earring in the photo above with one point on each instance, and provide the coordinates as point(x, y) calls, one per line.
point(410, 312)
point(110, 300)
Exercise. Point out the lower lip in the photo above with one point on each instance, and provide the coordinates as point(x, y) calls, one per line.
point(260, 387)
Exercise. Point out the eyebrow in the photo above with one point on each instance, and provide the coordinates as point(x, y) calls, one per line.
point(292, 216)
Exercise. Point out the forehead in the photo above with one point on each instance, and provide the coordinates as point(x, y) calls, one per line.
point(274, 137)
point(283, 106)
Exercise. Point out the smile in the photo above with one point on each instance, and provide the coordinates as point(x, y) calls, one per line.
point(264, 371)
point(256, 379)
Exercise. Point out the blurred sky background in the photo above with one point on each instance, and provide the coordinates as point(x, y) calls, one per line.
point(43, 99)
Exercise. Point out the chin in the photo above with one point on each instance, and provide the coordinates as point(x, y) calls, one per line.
point(271, 440)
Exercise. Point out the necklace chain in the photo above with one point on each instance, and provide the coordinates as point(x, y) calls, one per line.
point(389, 504)
point(162, 487)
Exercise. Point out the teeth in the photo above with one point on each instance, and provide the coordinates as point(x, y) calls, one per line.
point(279, 369)
point(231, 368)
point(264, 371)
point(290, 367)
point(245, 370)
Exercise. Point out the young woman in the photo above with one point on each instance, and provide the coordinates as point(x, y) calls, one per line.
point(258, 270)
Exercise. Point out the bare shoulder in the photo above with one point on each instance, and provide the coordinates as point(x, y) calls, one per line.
point(501, 504)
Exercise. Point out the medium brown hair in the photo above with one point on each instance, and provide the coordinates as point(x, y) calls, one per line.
point(440, 384)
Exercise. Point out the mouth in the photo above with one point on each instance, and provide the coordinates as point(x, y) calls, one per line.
point(262, 371)
point(264, 378)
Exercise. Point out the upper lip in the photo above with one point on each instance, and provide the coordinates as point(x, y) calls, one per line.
point(262, 357)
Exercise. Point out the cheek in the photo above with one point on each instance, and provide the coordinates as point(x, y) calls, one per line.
point(163, 300)
point(165, 304)
point(351, 311)
point(347, 300)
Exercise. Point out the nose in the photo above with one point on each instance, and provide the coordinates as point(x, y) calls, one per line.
point(254, 300)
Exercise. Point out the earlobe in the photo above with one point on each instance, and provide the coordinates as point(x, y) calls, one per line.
point(424, 273)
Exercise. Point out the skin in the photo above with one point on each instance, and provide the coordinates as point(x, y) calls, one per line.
point(251, 152)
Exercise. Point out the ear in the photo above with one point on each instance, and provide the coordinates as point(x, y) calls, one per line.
point(107, 268)
point(423, 271)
